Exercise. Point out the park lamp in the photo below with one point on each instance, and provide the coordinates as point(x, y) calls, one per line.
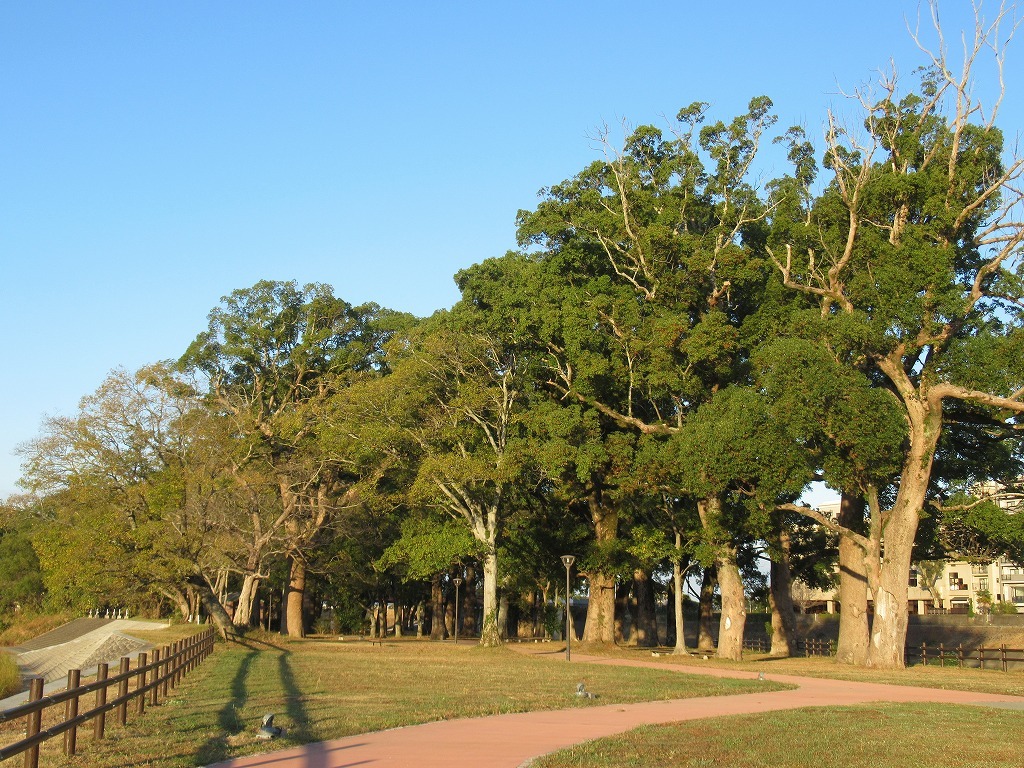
point(457, 581)
point(567, 560)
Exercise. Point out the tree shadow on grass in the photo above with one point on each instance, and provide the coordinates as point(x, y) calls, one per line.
point(295, 707)
point(229, 722)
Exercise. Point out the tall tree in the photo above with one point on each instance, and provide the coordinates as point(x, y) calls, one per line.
point(273, 357)
point(912, 253)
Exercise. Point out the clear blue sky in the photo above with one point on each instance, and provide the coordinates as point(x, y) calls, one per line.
point(156, 156)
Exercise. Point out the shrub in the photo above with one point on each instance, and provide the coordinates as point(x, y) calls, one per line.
point(1004, 607)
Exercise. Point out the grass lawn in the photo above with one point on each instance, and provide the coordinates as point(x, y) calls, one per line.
point(990, 680)
point(868, 736)
point(322, 690)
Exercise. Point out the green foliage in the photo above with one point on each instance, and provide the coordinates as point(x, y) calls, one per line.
point(429, 545)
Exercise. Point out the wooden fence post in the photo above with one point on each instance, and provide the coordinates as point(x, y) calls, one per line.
point(166, 670)
point(122, 690)
point(33, 721)
point(140, 684)
point(1002, 656)
point(100, 721)
point(71, 712)
point(155, 693)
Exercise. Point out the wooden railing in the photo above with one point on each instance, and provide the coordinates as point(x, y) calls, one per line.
point(810, 647)
point(924, 653)
point(152, 677)
point(1001, 655)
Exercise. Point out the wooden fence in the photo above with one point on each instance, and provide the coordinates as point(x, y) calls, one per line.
point(923, 653)
point(153, 678)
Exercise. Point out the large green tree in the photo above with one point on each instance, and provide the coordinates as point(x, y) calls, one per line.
point(913, 255)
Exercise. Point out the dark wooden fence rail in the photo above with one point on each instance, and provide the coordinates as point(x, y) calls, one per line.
point(153, 677)
point(923, 653)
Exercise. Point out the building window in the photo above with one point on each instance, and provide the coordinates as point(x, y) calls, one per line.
point(1017, 595)
point(955, 582)
point(981, 585)
point(913, 577)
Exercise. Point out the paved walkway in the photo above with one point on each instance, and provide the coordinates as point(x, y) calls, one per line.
point(508, 741)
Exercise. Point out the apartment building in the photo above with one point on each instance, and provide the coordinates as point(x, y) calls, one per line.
point(960, 587)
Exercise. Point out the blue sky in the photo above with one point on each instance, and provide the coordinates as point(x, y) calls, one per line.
point(154, 157)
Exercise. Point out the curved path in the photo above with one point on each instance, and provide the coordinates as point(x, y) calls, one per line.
point(508, 741)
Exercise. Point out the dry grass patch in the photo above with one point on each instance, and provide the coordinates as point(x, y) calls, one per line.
point(868, 736)
point(930, 676)
point(10, 677)
point(322, 690)
point(28, 626)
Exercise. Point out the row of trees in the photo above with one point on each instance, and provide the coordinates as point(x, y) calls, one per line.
point(651, 381)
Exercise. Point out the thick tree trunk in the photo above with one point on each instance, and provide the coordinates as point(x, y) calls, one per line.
point(625, 627)
point(490, 634)
point(730, 585)
point(645, 617)
point(243, 613)
point(734, 607)
point(180, 599)
point(436, 609)
point(781, 597)
point(294, 595)
point(503, 614)
point(212, 604)
point(853, 586)
point(706, 610)
point(600, 626)
point(421, 613)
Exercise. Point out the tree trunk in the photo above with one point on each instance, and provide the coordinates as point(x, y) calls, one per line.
point(624, 630)
point(180, 599)
point(491, 633)
point(781, 597)
point(212, 604)
point(467, 611)
point(600, 626)
point(890, 584)
point(436, 608)
point(243, 613)
point(730, 585)
point(294, 595)
point(706, 611)
point(852, 647)
point(677, 600)
point(645, 618)
point(734, 607)
point(503, 613)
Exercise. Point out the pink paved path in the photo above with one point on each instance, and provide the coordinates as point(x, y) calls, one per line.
point(508, 741)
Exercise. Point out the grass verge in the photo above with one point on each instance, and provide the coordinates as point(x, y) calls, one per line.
point(322, 690)
point(10, 677)
point(868, 736)
point(930, 676)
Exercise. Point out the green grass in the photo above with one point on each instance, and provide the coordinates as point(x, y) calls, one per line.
point(10, 678)
point(990, 680)
point(868, 736)
point(322, 690)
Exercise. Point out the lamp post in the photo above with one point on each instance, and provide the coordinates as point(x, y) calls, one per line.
point(457, 581)
point(568, 560)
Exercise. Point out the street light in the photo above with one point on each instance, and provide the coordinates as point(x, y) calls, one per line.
point(457, 581)
point(568, 560)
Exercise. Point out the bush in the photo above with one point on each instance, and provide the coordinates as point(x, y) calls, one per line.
point(1004, 607)
point(10, 677)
